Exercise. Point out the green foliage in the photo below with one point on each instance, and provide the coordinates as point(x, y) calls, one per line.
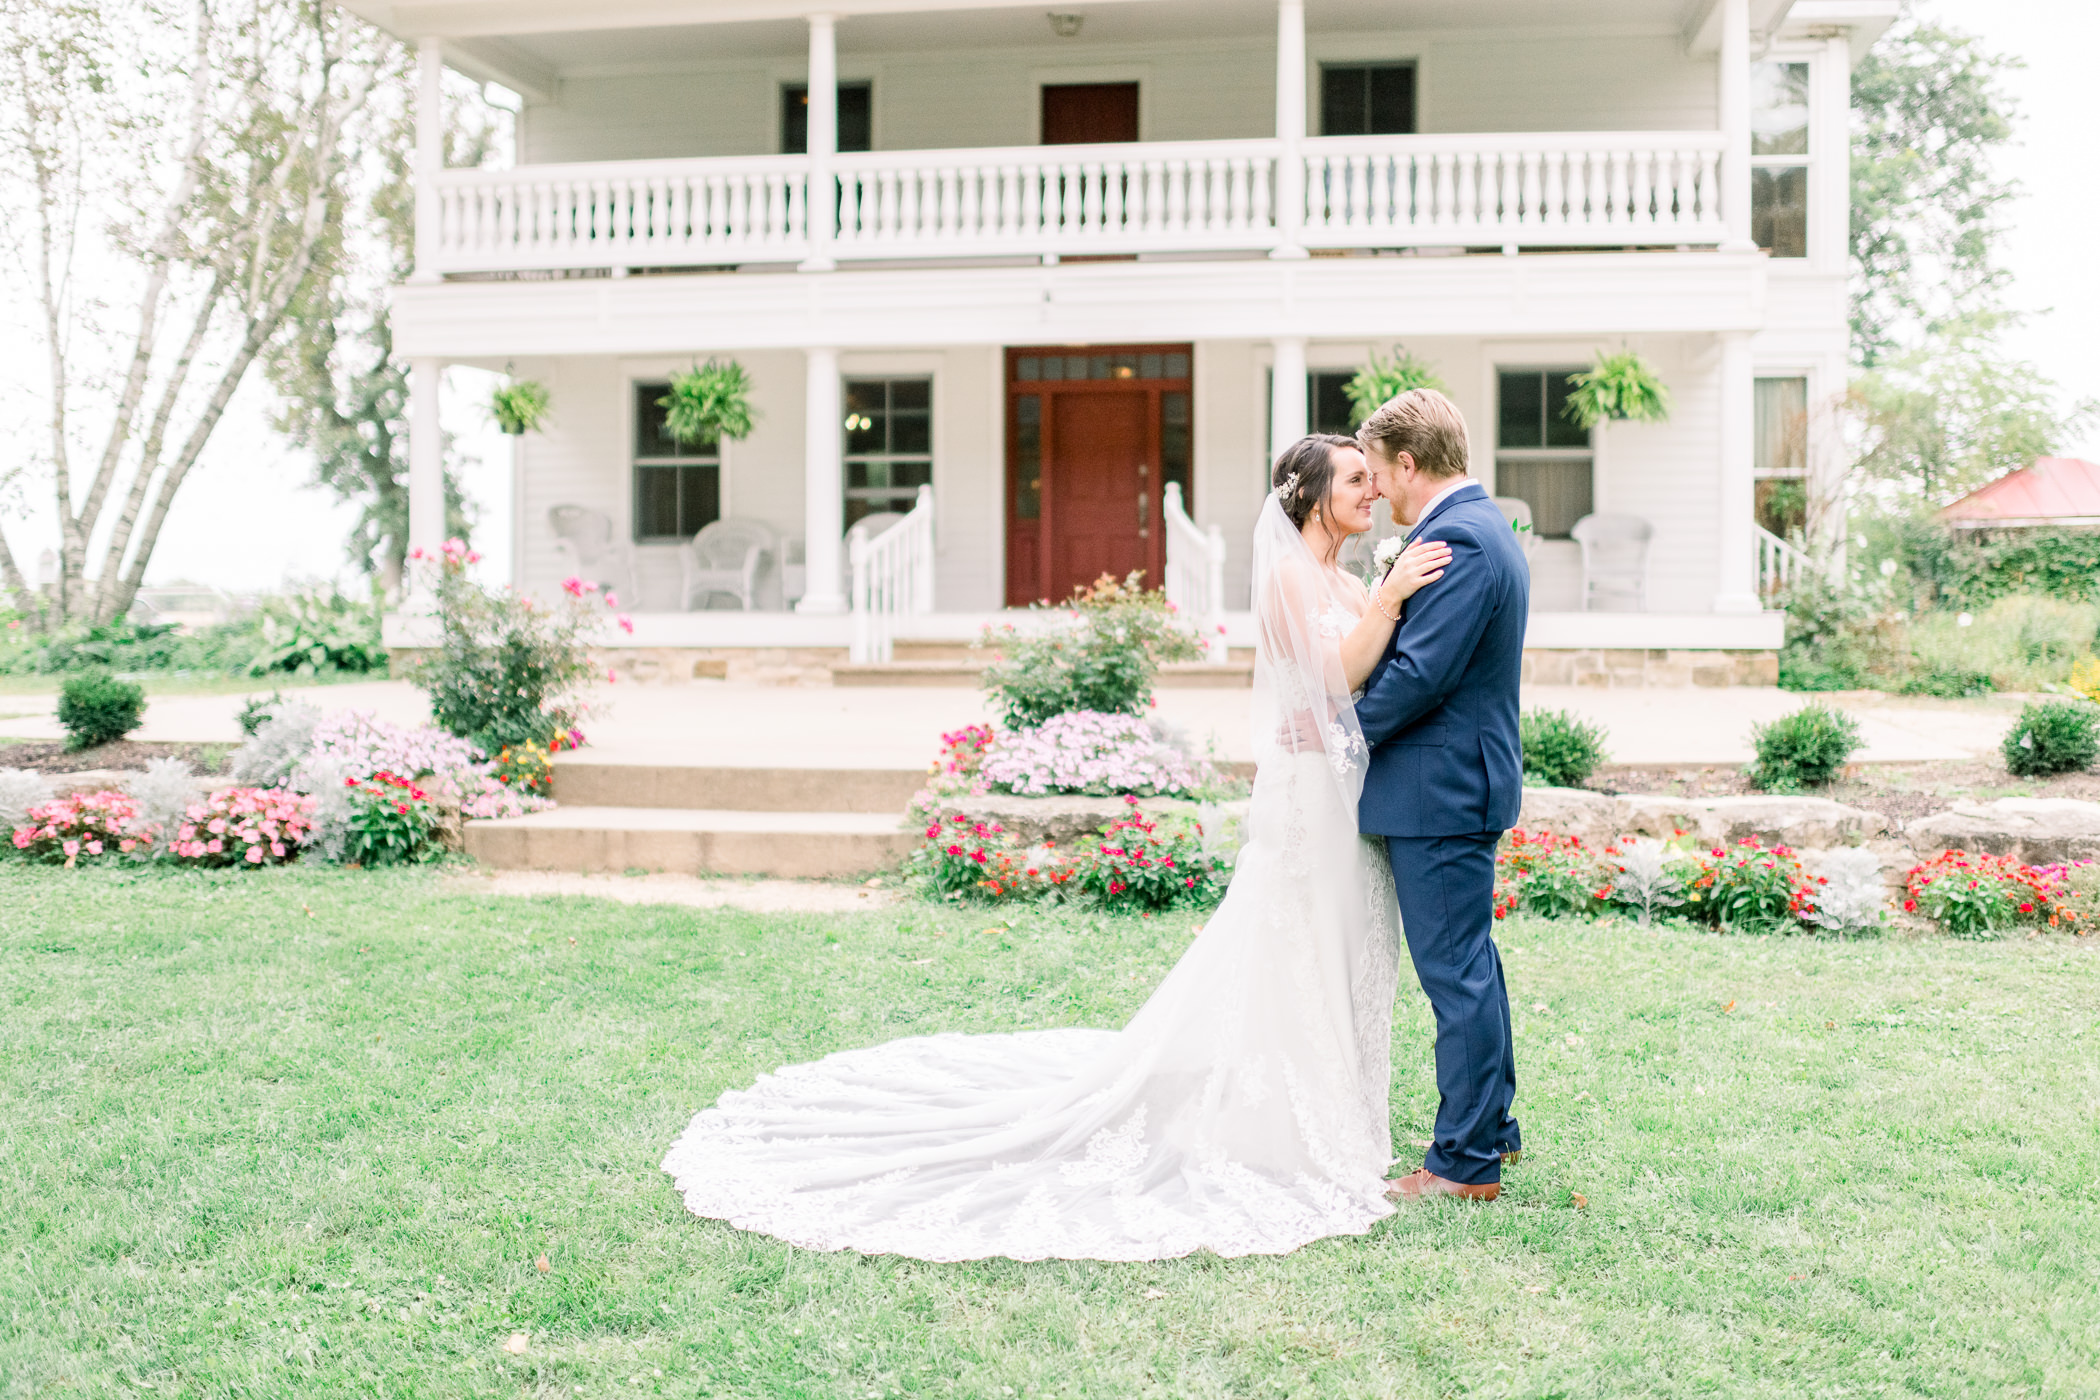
point(506, 669)
point(1380, 379)
point(1971, 569)
point(521, 406)
point(2054, 736)
point(1930, 112)
point(392, 822)
point(256, 712)
point(1804, 749)
point(311, 633)
point(1560, 749)
point(1103, 657)
point(122, 645)
point(1945, 682)
point(1139, 864)
point(1621, 387)
point(1750, 889)
point(709, 402)
point(2019, 642)
point(97, 708)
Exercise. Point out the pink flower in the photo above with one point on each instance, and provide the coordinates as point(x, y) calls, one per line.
point(215, 846)
point(255, 855)
point(277, 849)
point(217, 826)
point(573, 586)
point(71, 848)
point(612, 599)
point(95, 849)
point(627, 625)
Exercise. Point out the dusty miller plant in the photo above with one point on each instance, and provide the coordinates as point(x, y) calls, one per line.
point(1645, 883)
point(20, 789)
point(1852, 898)
point(278, 748)
point(163, 792)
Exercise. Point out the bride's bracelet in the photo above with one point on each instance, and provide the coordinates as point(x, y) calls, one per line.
point(1376, 595)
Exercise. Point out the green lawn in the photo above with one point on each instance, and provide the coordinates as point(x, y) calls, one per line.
point(290, 1134)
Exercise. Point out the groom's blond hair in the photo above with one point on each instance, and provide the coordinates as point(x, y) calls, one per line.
point(1425, 425)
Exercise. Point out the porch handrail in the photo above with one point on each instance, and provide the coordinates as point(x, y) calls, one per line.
point(1196, 571)
point(1556, 188)
point(892, 579)
point(1780, 565)
point(1513, 188)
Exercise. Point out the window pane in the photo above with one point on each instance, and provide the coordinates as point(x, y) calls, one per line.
point(911, 393)
point(856, 119)
point(1028, 457)
point(1148, 366)
point(1557, 490)
point(1522, 411)
point(912, 474)
point(911, 432)
point(1779, 209)
point(1345, 108)
point(1779, 109)
point(1782, 426)
point(1327, 408)
point(1028, 367)
point(1174, 445)
point(1782, 506)
point(1561, 431)
point(1177, 367)
point(699, 499)
point(655, 502)
point(650, 439)
point(1392, 99)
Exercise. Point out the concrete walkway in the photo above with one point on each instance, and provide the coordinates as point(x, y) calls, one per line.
point(726, 724)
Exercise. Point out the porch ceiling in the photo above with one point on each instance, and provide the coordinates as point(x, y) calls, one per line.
point(551, 39)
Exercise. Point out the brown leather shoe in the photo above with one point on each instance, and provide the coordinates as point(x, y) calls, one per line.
point(1422, 1184)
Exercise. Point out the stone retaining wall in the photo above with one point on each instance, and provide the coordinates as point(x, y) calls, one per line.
point(1650, 669)
point(763, 665)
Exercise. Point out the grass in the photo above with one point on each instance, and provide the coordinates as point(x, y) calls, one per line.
point(307, 1133)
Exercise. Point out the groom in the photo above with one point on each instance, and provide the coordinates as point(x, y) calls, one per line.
point(1446, 777)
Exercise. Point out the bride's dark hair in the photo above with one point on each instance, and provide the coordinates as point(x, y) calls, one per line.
point(1305, 474)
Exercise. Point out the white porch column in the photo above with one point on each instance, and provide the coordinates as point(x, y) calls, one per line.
point(1734, 95)
point(823, 141)
point(430, 155)
point(1737, 493)
point(824, 502)
point(426, 458)
point(1286, 394)
point(1290, 128)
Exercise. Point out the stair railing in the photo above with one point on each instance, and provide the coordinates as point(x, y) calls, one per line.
point(1780, 565)
point(1196, 572)
point(892, 579)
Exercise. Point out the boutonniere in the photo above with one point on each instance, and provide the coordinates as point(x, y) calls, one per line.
point(1386, 551)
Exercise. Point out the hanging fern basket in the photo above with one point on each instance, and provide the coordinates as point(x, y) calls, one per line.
point(521, 406)
point(1380, 379)
point(1620, 388)
point(708, 403)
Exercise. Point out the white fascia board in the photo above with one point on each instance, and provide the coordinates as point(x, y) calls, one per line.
point(501, 61)
point(468, 18)
point(1702, 23)
point(1569, 294)
point(1862, 21)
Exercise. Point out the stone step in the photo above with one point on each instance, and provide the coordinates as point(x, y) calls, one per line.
point(1229, 675)
point(904, 650)
point(581, 783)
point(787, 845)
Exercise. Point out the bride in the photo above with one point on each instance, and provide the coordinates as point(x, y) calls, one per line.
point(1244, 1108)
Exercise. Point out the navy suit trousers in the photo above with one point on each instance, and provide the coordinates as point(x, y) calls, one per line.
point(1447, 902)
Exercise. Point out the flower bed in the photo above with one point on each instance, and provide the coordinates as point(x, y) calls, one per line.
point(1134, 863)
point(233, 826)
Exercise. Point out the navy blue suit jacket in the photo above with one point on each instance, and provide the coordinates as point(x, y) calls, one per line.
point(1440, 709)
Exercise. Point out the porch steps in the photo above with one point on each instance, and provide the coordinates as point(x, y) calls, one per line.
point(791, 823)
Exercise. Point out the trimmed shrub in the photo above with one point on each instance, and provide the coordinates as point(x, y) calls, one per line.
point(2055, 736)
point(1101, 657)
point(1804, 749)
point(1559, 749)
point(97, 708)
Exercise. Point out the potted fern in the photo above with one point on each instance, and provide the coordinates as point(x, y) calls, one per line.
point(1618, 388)
point(1381, 379)
point(521, 406)
point(708, 403)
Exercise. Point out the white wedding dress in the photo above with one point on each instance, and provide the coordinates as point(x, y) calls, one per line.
point(1242, 1110)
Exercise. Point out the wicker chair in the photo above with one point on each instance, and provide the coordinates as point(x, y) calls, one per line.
point(729, 557)
point(1517, 511)
point(1614, 562)
point(587, 548)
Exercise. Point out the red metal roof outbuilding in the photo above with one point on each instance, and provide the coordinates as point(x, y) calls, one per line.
point(2062, 491)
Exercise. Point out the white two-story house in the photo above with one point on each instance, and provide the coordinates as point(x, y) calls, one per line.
point(1028, 294)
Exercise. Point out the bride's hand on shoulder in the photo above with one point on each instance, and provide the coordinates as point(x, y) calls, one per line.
point(1422, 562)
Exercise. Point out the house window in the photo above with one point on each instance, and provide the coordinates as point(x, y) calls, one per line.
point(1367, 99)
point(1327, 406)
point(1780, 448)
point(889, 445)
point(1779, 158)
point(1541, 457)
point(856, 117)
point(677, 485)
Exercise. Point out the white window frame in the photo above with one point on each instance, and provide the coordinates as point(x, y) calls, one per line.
point(1809, 162)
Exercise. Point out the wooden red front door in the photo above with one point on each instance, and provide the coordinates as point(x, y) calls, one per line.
point(1094, 434)
point(1086, 114)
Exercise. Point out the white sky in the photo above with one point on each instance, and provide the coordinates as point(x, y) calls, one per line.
point(247, 520)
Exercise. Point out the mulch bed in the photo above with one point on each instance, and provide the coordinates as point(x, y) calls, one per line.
point(1901, 791)
point(55, 757)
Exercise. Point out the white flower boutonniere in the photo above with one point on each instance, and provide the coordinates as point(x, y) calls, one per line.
point(1385, 552)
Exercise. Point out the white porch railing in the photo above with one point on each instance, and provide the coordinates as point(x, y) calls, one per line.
point(1567, 189)
point(1554, 187)
point(1780, 565)
point(892, 579)
point(1196, 572)
point(629, 213)
point(1187, 195)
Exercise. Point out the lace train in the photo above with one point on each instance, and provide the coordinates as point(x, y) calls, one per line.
point(1243, 1110)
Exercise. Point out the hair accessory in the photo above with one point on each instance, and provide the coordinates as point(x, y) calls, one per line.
point(1289, 489)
